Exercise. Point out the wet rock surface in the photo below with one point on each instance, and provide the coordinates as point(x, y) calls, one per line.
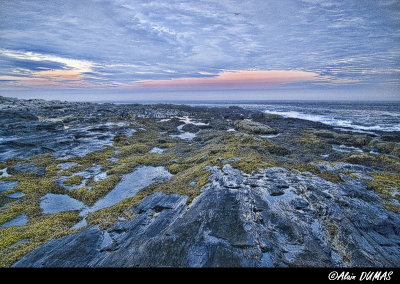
point(7, 185)
point(20, 220)
point(27, 168)
point(130, 185)
point(55, 203)
point(241, 225)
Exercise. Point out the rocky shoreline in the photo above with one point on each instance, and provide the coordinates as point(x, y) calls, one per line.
point(105, 185)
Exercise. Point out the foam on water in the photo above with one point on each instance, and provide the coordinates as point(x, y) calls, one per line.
point(346, 149)
point(363, 117)
point(334, 121)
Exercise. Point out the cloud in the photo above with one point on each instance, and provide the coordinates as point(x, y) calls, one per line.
point(73, 74)
point(14, 78)
point(233, 80)
point(82, 66)
point(60, 75)
point(115, 43)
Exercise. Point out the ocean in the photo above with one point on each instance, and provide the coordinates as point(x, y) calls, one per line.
point(356, 116)
point(363, 117)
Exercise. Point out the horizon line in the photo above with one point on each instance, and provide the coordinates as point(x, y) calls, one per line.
point(211, 101)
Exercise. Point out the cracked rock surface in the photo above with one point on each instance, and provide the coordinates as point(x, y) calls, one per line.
point(270, 218)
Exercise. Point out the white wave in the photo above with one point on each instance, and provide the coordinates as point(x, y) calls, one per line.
point(333, 121)
point(355, 130)
point(346, 149)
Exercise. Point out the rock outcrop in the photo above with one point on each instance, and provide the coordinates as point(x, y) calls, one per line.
point(254, 127)
point(239, 220)
point(180, 186)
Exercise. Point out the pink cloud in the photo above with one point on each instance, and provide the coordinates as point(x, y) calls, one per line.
point(239, 79)
point(60, 75)
point(56, 78)
point(234, 79)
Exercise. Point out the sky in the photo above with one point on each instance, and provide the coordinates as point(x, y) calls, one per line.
point(200, 49)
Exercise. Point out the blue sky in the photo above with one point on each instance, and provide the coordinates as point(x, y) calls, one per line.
point(259, 49)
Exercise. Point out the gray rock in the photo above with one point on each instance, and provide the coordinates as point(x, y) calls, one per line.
point(94, 172)
point(20, 220)
point(56, 203)
point(64, 137)
point(80, 224)
point(254, 127)
point(19, 242)
point(299, 204)
point(203, 158)
point(27, 168)
point(60, 181)
point(67, 165)
point(71, 251)
point(16, 195)
point(16, 115)
point(157, 150)
point(185, 136)
point(275, 191)
point(342, 167)
point(245, 226)
point(93, 247)
point(100, 176)
point(7, 185)
point(129, 186)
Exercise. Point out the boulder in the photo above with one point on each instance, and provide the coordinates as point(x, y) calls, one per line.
point(251, 126)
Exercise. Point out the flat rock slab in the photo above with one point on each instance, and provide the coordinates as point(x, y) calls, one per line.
point(157, 150)
point(254, 127)
point(20, 220)
point(91, 246)
point(16, 195)
point(67, 165)
point(185, 136)
point(130, 185)
point(56, 203)
point(94, 172)
point(27, 168)
point(60, 181)
point(7, 185)
point(90, 172)
point(340, 167)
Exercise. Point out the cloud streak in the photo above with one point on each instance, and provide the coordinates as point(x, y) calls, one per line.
point(82, 66)
point(233, 80)
point(73, 74)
